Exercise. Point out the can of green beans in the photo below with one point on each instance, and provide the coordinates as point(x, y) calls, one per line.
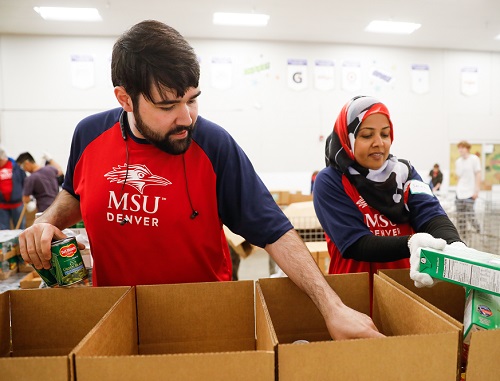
point(47, 276)
point(67, 262)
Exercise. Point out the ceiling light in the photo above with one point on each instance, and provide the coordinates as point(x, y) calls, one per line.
point(243, 19)
point(379, 26)
point(497, 37)
point(68, 14)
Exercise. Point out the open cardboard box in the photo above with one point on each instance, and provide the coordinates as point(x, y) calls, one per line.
point(448, 299)
point(193, 331)
point(46, 325)
point(420, 344)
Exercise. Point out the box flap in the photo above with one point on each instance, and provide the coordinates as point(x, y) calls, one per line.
point(35, 368)
point(121, 319)
point(60, 316)
point(446, 298)
point(392, 306)
point(266, 336)
point(483, 364)
point(230, 366)
point(4, 324)
point(223, 321)
point(409, 358)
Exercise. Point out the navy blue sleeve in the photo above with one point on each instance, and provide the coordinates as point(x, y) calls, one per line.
point(423, 206)
point(86, 131)
point(244, 203)
point(337, 213)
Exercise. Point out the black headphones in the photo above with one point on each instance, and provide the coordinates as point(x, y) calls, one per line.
point(124, 136)
point(122, 127)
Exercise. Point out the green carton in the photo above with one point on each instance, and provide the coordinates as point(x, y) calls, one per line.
point(464, 266)
point(482, 312)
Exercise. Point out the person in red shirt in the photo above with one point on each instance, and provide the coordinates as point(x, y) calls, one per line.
point(11, 192)
point(154, 183)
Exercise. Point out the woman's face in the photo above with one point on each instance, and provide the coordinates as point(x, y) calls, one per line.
point(373, 142)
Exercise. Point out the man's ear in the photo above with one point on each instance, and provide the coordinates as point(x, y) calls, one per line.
point(124, 99)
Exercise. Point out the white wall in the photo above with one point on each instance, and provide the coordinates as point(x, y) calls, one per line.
point(279, 128)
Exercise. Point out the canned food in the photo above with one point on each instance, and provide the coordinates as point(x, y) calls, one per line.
point(67, 262)
point(47, 276)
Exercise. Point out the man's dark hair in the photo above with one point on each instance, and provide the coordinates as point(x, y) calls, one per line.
point(153, 54)
point(23, 157)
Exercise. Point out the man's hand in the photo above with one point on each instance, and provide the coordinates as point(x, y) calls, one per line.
point(35, 243)
point(293, 257)
point(347, 323)
point(416, 242)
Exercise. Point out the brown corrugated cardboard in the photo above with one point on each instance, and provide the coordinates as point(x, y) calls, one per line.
point(483, 364)
point(197, 331)
point(30, 280)
point(448, 300)
point(281, 197)
point(421, 345)
point(46, 325)
point(299, 197)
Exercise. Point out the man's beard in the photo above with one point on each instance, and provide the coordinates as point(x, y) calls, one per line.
point(165, 143)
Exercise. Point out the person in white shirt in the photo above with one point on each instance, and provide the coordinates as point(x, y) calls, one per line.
point(468, 171)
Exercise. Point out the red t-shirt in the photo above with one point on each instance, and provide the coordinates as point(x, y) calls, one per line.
point(379, 225)
point(6, 180)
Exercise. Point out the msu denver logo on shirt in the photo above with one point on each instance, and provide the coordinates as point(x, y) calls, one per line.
point(135, 175)
point(136, 208)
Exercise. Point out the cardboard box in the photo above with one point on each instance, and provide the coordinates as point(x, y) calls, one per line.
point(319, 251)
point(46, 324)
point(9, 243)
point(197, 331)
point(299, 197)
point(448, 300)
point(31, 280)
point(281, 197)
point(420, 344)
point(239, 244)
point(464, 266)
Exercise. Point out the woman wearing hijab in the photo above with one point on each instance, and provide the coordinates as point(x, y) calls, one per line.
point(375, 208)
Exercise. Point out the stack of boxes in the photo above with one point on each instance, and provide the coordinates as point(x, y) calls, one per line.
point(9, 244)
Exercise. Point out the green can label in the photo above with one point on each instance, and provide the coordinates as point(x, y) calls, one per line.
point(47, 276)
point(67, 263)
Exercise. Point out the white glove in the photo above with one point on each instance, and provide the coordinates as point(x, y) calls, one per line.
point(416, 242)
point(457, 244)
point(31, 206)
point(47, 156)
